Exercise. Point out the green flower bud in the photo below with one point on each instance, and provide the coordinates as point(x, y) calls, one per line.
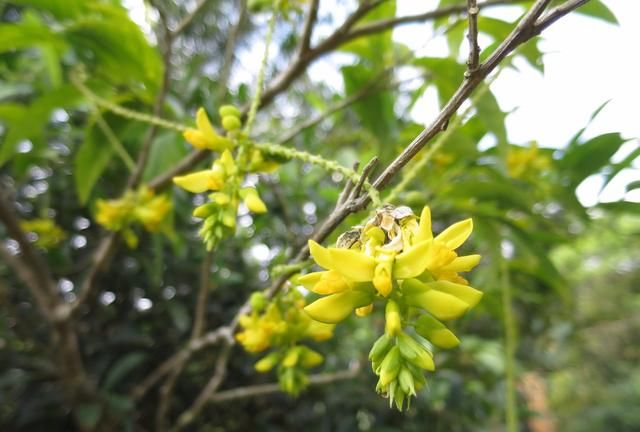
point(231, 123)
point(380, 348)
point(229, 110)
point(390, 366)
point(258, 301)
point(436, 332)
point(393, 321)
point(267, 363)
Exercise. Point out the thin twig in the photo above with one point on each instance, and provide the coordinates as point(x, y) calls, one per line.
point(229, 50)
point(216, 380)
point(263, 389)
point(307, 31)
point(472, 35)
point(187, 20)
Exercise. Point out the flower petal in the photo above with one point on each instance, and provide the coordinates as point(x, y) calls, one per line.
point(336, 307)
point(440, 304)
point(467, 294)
point(320, 255)
point(436, 332)
point(424, 229)
point(414, 261)
point(462, 264)
point(196, 182)
point(456, 234)
point(353, 265)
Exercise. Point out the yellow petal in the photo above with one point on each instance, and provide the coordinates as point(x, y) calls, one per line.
point(424, 229)
point(353, 265)
point(440, 304)
point(414, 287)
point(336, 307)
point(310, 358)
point(462, 264)
point(467, 294)
point(310, 279)
point(436, 332)
point(196, 138)
point(200, 181)
point(329, 282)
point(254, 203)
point(414, 261)
point(456, 234)
point(265, 364)
point(320, 255)
point(364, 310)
point(204, 125)
point(227, 162)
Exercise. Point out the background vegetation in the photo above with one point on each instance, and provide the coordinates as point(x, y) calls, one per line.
point(552, 346)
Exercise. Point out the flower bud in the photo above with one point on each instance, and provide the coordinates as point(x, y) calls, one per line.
point(258, 301)
point(291, 357)
point(380, 348)
point(393, 320)
point(436, 332)
point(231, 123)
point(229, 110)
point(265, 364)
point(310, 358)
point(336, 307)
point(390, 366)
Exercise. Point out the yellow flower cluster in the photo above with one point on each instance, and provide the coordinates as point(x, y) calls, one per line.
point(47, 234)
point(225, 176)
point(141, 206)
point(281, 325)
point(523, 163)
point(396, 257)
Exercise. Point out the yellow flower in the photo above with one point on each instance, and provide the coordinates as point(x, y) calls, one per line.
point(205, 136)
point(526, 162)
point(47, 234)
point(252, 200)
point(153, 212)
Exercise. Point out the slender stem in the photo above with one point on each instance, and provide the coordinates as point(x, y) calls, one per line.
point(264, 389)
point(511, 407)
point(257, 96)
point(115, 142)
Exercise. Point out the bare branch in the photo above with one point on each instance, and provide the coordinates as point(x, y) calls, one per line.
point(229, 50)
point(388, 24)
point(263, 389)
point(187, 20)
point(29, 266)
point(312, 16)
point(557, 13)
point(474, 49)
point(216, 380)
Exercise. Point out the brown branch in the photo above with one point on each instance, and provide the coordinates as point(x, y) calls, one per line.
point(263, 389)
point(474, 49)
point(187, 20)
point(199, 320)
point(307, 31)
point(214, 382)
point(389, 24)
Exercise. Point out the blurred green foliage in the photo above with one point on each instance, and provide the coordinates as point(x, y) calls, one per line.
point(573, 271)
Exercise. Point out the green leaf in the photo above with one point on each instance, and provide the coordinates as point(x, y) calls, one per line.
point(581, 161)
point(88, 415)
point(122, 367)
point(375, 112)
point(168, 148)
point(597, 9)
point(445, 73)
point(90, 161)
point(490, 114)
